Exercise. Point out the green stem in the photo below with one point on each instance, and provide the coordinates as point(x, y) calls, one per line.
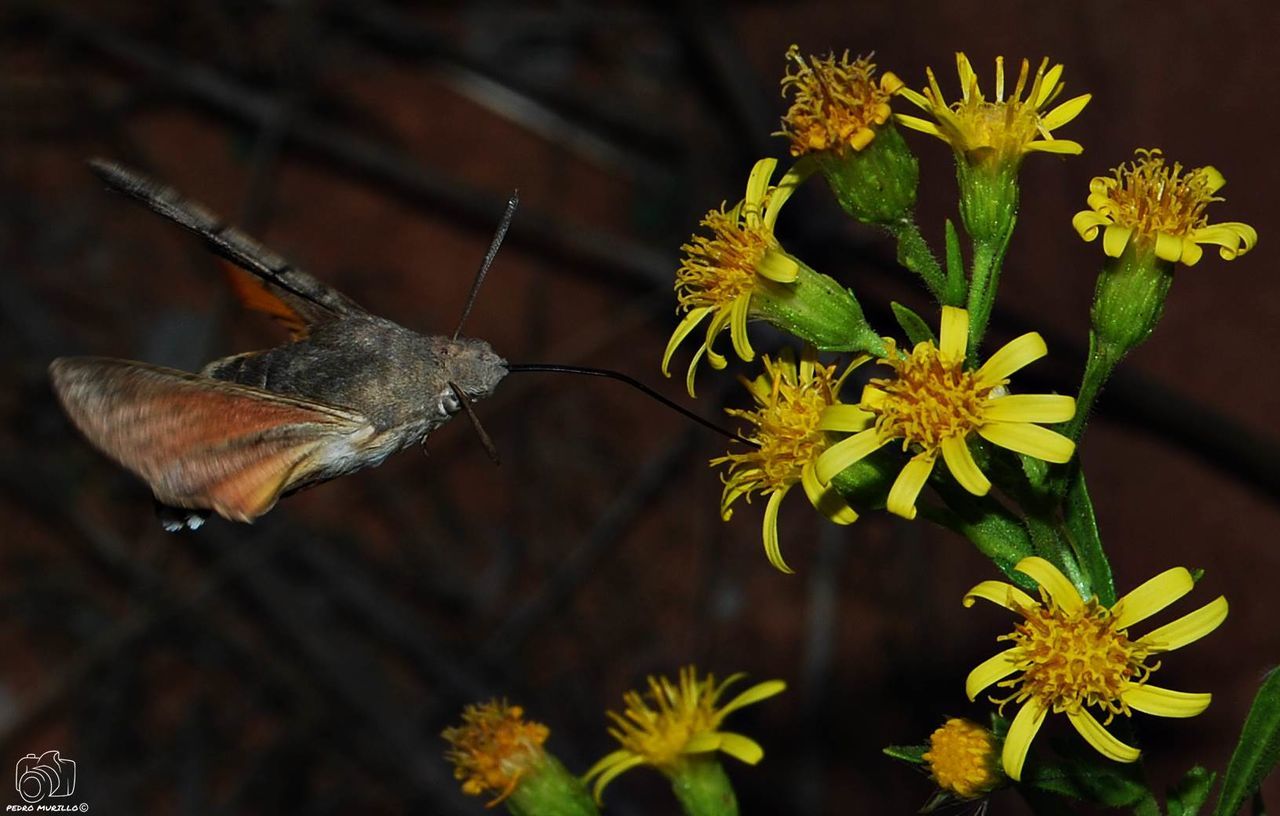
point(914, 253)
point(988, 257)
point(1102, 362)
point(703, 788)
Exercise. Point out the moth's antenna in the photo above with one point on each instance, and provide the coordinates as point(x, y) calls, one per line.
point(634, 383)
point(501, 233)
point(489, 447)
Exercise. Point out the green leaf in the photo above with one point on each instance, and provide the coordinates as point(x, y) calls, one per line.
point(1090, 779)
point(1187, 797)
point(912, 324)
point(1258, 749)
point(1083, 527)
point(907, 753)
point(955, 284)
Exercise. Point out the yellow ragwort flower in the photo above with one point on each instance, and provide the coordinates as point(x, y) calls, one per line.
point(797, 410)
point(1002, 129)
point(962, 759)
point(1070, 653)
point(494, 748)
point(838, 104)
point(1158, 206)
point(720, 273)
point(934, 405)
point(675, 721)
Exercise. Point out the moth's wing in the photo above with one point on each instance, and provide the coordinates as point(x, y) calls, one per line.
point(312, 300)
point(255, 295)
point(201, 443)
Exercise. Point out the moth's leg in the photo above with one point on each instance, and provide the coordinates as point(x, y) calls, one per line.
point(178, 519)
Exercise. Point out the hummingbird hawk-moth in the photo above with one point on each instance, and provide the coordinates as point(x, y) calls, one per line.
point(348, 390)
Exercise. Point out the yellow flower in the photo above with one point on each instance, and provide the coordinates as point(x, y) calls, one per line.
point(494, 748)
point(962, 759)
point(674, 721)
point(1156, 205)
point(838, 104)
point(720, 273)
point(1002, 129)
point(934, 405)
point(1070, 653)
point(797, 406)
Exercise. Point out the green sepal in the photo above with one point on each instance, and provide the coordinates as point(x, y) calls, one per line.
point(1082, 526)
point(988, 198)
point(548, 789)
point(865, 484)
point(956, 286)
point(818, 310)
point(913, 754)
point(1189, 794)
point(1258, 750)
point(876, 185)
point(1129, 298)
point(703, 788)
point(913, 326)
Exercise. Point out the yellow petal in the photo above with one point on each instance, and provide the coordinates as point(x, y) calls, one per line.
point(757, 184)
point(787, 186)
point(1168, 247)
point(1163, 702)
point(826, 499)
point(844, 418)
point(1064, 147)
point(1115, 239)
point(1087, 222)
point(1152, 596)
point(702, 743)
point(1233, 238)
point(1191, 253)
point(872, 396)
point(1065, 112)
point(1187, 629)
point(955, 452)
point(687, 325)
point(1052, 581)
point(743, 749)
point(1017, 353)
point(693, 370)
point(848, 451)
point(771, 547)
point(1030, 408)
point(1021, 732)
point(610, 768)
point(902, 496)
point(1032, 440)
point(738, 329)
point(1100, 738)
point(990, 671)
point(998, 592)
point(778, 265)
point(1213, 178)
point(756, 694)
point(953, 336)
point(916, 123)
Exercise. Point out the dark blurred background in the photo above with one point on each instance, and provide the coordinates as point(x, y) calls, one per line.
point(307, 663)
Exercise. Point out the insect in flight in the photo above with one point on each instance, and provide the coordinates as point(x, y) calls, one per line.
point(347, 391)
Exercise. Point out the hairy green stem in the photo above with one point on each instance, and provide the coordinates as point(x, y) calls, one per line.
point(914, 253)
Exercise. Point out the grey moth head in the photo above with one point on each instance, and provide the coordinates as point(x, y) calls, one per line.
point(474, 367)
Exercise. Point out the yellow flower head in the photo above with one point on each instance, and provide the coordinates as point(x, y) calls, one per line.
point(1159, 206)
point(838, 104)
point(673, 721)
point(1002, 129)
point(934, 405)
point(1069, 654)
point(962, 759)
point(494, 748)
point(720, 272)
point(797, 408)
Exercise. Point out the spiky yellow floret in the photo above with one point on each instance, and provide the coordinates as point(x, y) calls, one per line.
point(494, 748)
point(933, 404)
point(837, 104)
point(1160, 207)
point(1001, 128)
point(797, 408)
point(962, 759)
point(1070, 653)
